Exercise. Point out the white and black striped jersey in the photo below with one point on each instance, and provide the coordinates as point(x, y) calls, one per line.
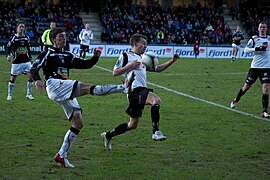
point(19, 48)
point(56, 63)
point(261, 59)
point(140, 79)
point(237, 34)
point(86, 36)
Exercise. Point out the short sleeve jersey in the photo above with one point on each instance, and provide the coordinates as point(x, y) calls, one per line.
point(19, 46)
point(237, 34)
point(261, 59)
point(140, 79)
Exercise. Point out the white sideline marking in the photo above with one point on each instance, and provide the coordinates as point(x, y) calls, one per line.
point(198, 99)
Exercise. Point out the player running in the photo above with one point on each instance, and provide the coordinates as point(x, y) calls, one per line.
point(260, 67)
point(140, 95)
point(237, 36)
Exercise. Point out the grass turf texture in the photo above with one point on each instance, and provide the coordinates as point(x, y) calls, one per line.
point(204, 141)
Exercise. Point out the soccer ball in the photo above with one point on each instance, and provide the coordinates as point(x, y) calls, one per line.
point(150, 60)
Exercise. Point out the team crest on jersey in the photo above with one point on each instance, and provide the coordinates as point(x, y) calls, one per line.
point(62, 59)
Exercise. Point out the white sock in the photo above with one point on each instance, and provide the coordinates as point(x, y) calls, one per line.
point(10, 88)
point(69, 139)
point(101, 90)
point(29, 87)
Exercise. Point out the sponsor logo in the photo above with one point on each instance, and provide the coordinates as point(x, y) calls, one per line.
point(220, 53)
point(114, 51)
point(183, 52)
point(247, 55)
point(2, 48)
point(202, 50)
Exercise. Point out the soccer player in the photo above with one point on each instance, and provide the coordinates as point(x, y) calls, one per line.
point(237, 36)
point(86, 35)
point(19, 48)
point(130, 65)
point(45, 38)
point(260, 67)
point(56, 63)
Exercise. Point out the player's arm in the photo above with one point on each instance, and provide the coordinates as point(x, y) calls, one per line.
point(28, 49)
point(167, 64)
point(79, 63)
point(91, 36)
point(35, 72)
point(43, 37)
point(251, 47)
point(117, 71)
point(81, 35)
point(9, 53)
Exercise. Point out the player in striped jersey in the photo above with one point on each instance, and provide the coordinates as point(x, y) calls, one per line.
point(237, 36)
point(139, 95)
point(19, 48)
point(86, 35)
point(260, 67)
point(56, 64)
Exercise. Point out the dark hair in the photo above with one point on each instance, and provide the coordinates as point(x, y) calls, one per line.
point(136, 38)
point(263, 22)
point(20, 22)
point(54, 32)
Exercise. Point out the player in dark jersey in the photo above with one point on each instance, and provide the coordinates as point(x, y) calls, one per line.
point(19, 48)
point(237, 36)
point(56, 63)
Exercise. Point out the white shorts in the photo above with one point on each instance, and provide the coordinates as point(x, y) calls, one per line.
point(17, 69)
point(235, 46)
point(60, 91)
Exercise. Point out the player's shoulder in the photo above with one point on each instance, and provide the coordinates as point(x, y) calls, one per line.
point(255, 37)
point(268, 37)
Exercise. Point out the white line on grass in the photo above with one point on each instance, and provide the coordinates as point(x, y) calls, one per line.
point(197, 99)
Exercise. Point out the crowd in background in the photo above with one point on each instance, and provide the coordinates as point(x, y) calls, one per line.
point(38, 18)
point(181, 25)
point(170, 25)
point(251, 16)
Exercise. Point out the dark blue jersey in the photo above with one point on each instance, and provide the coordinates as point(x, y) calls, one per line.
point(239, 35)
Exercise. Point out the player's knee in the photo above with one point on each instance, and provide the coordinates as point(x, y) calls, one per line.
point(132, 126)
point(77, 120)
point(157, 100)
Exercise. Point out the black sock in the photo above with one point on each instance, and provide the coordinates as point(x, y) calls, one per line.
point(239, 95)
point(120, 129)
point(75, 131)
point(155, 117)
point(265, 98)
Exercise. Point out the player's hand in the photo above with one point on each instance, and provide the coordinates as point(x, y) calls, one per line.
point(260, 48)
point(9, 58)
point(175, 57)
point(39, 85)
point(135, 64)
point(97, 52)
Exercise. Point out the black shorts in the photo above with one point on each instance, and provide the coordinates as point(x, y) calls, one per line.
point(254, 74)
point(84, 48)
point(137, 99)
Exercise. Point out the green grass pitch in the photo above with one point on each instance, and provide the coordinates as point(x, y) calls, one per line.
point(206, 140)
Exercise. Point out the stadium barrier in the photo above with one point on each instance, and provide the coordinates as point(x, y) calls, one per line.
point(112, 50)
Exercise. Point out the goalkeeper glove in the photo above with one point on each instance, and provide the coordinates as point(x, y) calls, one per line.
point(260, 48)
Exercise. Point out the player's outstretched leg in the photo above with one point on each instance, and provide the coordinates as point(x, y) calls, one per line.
point(102, 90)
